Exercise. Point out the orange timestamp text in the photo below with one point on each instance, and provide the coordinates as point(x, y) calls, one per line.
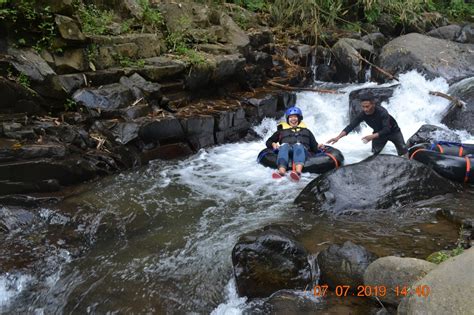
point(371, 290)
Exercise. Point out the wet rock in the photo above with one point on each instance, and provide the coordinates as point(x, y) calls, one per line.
point(450, 286)
point(300, 55)
point(69, 29)
point(261, 59)
point(65, 133)
point(66, 84)
point(259, 108)
point(136, 111)
point(269, 260)
point(326, 72)
point(344, 265)
point(166, 152)
point(448, 32)
point(103, 77)
point(141, 88)
point(431, 133)
point(33, 151)
point(165, 129)
point(461, 118)
point(16, 98)
point(378, 182)
point(432, 56)
point(13, 187)
point(290, 302)
point(376, 40)
point(350, 68)
point(379, 96)
point(125, 132)
point(199, 131)
point(392, 272)
point(28, 62)
point(106, 98)
point(467, 34)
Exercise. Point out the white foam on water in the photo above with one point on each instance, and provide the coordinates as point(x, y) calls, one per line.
point(11, 285)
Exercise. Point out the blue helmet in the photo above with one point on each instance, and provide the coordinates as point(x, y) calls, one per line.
point(294, 111)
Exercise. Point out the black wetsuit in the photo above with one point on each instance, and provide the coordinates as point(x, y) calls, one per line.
point(383, 124)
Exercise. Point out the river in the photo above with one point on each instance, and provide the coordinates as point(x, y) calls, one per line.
point(159, 239)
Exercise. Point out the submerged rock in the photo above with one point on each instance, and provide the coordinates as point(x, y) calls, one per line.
point(378, 182)
point(269, 260)
point(344, 265)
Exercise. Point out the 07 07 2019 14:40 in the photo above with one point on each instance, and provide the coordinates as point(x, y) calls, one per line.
point(375, 291)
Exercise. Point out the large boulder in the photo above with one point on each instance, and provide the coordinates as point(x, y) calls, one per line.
point(432, 56)
point(448, 32)
point(432, 133)
point(17, 98)
point(462, 118)
point(378, 182)
point(450, 289)
point(467, 34)
point(344, 265)
point(350, 67)
point(395, 274)
point(269, 260)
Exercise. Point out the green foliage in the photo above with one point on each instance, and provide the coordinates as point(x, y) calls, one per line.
point(152, 17)
point(70, 105)
point(455, 9)
point(195, 58)
point(176, 42)
point(125, 61)
point(27, 18)
point(439, 257)
point(94, 20)
point(18, 77)
point(252, 5)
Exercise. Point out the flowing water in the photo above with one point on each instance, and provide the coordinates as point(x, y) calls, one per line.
point(159, 239)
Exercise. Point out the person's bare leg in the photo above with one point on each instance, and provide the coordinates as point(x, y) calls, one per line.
point(282, 170)
point(298, 168)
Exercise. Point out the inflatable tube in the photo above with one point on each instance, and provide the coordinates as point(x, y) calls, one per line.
point(449, 159)
point(323, 161)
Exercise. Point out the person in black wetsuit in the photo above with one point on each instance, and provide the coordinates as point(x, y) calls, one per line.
point(292, 138)
point(384, 125)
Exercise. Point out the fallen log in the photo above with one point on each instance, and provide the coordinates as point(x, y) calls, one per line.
point(293, 88)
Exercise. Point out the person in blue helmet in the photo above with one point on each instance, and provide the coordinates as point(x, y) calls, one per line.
point(292, 137)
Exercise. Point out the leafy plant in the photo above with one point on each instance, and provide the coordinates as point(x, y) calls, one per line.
point(70, 104)
point(94, 20)
point(151, 16)
point(26, 17)
point(125, 61)
point(439, 257)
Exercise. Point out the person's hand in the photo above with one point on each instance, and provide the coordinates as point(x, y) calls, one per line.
point(321, 146)
point(275, 145)
point(369, 138)
point(332, 140)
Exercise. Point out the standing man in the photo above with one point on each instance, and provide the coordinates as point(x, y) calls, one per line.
point(384, 125)
point(292, 138)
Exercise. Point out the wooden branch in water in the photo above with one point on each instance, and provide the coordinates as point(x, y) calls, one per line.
point(388, 74)
point(292, 88)
point(456, 101)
